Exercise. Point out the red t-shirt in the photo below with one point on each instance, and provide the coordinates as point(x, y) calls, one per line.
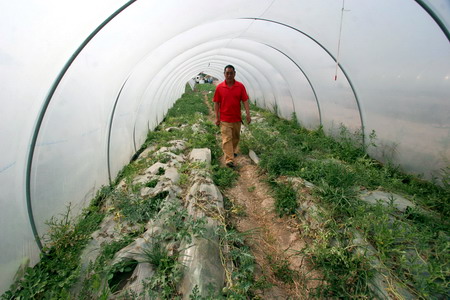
point(230, 101)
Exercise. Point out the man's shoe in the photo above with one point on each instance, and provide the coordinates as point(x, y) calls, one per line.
point(230, 164)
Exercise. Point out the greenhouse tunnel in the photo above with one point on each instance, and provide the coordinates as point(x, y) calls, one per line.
point(83, 82)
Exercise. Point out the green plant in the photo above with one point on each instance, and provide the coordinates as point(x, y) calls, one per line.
point(275, 109)
point(58, 268)
point(183, 226)
point(281, 270)
point(138, 210)
point(184, 179)
point(119, 274)
point(161, 171)
point(205, 87)
point(224, 177)
point(189, 104)
point(279, 162)
point(340, 168)
point(241, 283)
point(92, 282)
point(127, 173)
point(152, 183)
point(412, 246)
point(211, 293)
point(347, 275)
point(285, 199)
point(168, 272)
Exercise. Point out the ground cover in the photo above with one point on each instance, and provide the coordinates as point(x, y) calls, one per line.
point(410, 247)
point(293, 226)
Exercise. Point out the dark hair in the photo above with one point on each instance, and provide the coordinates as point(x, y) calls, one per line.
point(228, 66)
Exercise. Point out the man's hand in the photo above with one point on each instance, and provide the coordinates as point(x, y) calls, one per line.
point(247, 112)
point(217, 112)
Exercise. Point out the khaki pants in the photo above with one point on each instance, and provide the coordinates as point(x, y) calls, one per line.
point(231, 133)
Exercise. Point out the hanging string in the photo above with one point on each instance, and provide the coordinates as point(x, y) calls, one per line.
point(339, 40)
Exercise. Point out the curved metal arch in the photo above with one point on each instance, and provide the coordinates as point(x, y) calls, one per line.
point(179, 75)
point(200, 57)
point(110, 128)
point(248, 77)
point(205, 58)
point(307, 78)
point(190, 63)
point(194, 66)
point(44, 110)
point(332, 56)
point(237, 49)
point(435, 17)
point(272, 65)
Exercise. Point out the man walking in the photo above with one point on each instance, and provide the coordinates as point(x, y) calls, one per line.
point(227, 106)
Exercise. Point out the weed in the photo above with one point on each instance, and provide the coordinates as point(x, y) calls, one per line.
point(58, 269)
point(281, 270)
point(349, 144)
point(205, 87)
point(275, 109)
point(346, 274)
point(224, 177)
point(92, 283)
point(233, 209)
point(161, 171)
point(184, 226)
point(339, 168)
point(340, 201)
point(285, 199)
point(189, 104)
point(127, 172)
point(211, 293)
point(445, 171)
point(138, 210)
point(412, 247)
point(103, 193)
point(152, 183)
point(168, 272)
point(207, 140)
point(333, 172)
point(119, 274)
point(241, 283)
point(184, 179)
point(278, 162)
point(294, 120)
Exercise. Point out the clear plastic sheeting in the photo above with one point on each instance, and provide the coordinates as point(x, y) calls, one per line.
point(83, 82)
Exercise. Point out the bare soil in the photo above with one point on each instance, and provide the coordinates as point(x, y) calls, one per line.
point(274, 241)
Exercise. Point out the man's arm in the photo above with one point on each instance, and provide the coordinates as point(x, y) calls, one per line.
point(247, 111)
point(217, 111)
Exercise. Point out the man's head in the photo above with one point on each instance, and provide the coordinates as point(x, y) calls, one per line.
point(229, 73)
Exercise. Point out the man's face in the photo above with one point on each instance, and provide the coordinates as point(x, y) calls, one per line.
point(229, 74)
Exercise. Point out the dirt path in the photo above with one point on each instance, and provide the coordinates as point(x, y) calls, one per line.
point(275, 242)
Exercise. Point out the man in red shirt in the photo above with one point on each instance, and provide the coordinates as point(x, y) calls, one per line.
point(227, 106)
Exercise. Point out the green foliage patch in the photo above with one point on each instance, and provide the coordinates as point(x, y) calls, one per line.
point(282, 271)
point(339, 168)
point(285, 199)
point(58, 268)
point(168, 272)
point(136, 209)
point(224, 177)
